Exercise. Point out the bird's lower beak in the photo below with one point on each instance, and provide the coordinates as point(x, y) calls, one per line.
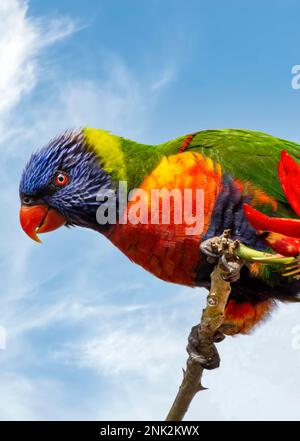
point(38, 219)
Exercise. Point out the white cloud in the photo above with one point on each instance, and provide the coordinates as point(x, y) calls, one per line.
point(117, 100)
point(141, 358)
point(21, 42)
point(166, 77)
point(24, 399)
point(143, 348)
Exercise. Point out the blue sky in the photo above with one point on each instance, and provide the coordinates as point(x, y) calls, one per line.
point(90, 335)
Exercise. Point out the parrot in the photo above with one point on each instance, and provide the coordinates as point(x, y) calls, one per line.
point(237, 172)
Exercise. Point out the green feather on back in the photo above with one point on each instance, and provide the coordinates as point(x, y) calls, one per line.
point(246, 155)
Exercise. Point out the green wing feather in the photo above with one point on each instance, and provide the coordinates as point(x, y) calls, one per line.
point(247, 155)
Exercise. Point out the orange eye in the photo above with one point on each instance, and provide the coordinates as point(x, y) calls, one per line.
point(61, 179)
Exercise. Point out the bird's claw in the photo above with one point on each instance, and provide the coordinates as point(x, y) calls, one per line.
point(224, 249)
point(219, 336)
point(231, 269)
point(206, 249)
point(293, 269)
point(202, 350)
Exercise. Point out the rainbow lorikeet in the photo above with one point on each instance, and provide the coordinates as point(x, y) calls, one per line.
point(60, 183)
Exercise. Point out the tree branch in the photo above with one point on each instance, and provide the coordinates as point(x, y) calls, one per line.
point(201, 348)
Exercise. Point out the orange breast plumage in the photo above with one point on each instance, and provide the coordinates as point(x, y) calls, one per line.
point(168, 250)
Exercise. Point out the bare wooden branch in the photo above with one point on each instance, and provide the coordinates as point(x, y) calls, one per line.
point(191, 384)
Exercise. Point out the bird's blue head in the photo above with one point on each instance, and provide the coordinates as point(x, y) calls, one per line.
point(59, 186)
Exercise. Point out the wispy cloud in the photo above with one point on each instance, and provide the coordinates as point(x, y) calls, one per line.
point(167, 77)
point(20, 45)
point(117, 100)
point(141, 346)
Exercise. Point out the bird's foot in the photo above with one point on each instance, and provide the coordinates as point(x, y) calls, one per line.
point(201, 348)
point(219, 336)
point(223, 248)
point(222, 251)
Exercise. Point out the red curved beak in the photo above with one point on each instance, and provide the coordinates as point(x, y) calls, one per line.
point(38, 219)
